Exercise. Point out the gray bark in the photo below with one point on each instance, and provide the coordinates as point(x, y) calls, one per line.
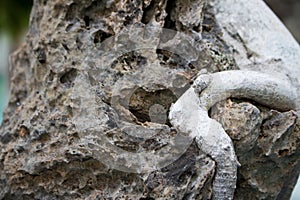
point(90, 113)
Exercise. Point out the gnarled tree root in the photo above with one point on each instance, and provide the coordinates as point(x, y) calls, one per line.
point(190, 115)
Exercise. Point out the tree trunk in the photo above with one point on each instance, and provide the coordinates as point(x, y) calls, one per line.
point(90, 114)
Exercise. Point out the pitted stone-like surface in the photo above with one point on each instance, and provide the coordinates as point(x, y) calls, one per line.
point(241, 122)
point(263, 140)
point(43, 154)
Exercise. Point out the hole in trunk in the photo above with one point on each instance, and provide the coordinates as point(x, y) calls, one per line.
point(151, 106)
point(68, 77)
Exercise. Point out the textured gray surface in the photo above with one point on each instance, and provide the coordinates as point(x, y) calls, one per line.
point(261, 42)
point(190, 114)
point(46, 153)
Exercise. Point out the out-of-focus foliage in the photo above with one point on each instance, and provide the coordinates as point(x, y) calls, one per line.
point(3, 94)
point(14, 16)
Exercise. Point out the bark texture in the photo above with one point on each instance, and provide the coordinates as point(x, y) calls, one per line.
point(52, 134)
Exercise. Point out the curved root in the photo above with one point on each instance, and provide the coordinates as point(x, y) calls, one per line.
point(190, 115)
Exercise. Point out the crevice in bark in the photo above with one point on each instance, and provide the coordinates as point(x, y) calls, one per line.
point(127, 145)
point(174, 61)
point(149, 12)
point(6, 138)
point(151, 106)
point(169, 23)
point(86, 20)
point(68, 78)
point(100, 36)
point(71, 12)
point(128, 62)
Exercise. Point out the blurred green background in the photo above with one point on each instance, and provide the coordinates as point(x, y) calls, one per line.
point(14, 17)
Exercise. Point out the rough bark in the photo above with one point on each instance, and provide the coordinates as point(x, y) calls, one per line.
point(91, 90)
